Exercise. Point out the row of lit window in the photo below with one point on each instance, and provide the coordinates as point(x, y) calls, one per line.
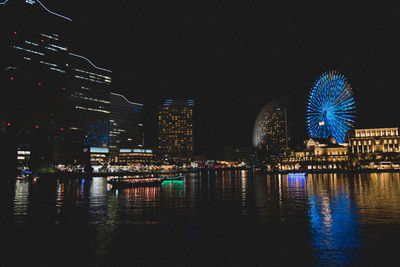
point(93, 109)
point(91, 99)
point(28, 50)
point(89, 79)
point(97, 76)
point(367, 133)
point(377, 142)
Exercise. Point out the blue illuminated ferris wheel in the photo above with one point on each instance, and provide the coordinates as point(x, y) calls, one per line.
point(330, 107)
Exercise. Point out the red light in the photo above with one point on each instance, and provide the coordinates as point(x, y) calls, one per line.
point(37, 126)
point(63, 88)
point(39, 84)
point(15, 32)
point(11, 78)
point(42, 41)
point(8, 123)
point(62, 129)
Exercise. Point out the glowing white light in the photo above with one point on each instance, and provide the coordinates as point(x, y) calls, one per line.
point(51, 12)
point(126, 99)
point(72, 54)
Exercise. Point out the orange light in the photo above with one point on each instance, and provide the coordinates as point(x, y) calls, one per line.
point(37, 126)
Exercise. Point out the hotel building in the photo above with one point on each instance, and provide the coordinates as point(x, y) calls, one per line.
point(383, 140)
point(270, 133)
point(175, 128)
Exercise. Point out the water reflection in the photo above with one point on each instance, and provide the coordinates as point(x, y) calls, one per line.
point(21, 197)
point(334, 220)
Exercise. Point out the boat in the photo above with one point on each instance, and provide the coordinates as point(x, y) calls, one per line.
point(134, 182)
point(172, 178)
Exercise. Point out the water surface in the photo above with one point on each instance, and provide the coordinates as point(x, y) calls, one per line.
point(224, 217)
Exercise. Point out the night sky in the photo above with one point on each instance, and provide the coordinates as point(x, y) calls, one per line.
point(234, 57)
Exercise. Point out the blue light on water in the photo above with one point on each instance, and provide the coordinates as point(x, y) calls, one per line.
point(334, 229)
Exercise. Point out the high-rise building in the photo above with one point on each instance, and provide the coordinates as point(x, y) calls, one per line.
point(270, 133)
point(126, 127)
point(89, 91)
point(55, 101)
point(33, 75)
point(175, 128)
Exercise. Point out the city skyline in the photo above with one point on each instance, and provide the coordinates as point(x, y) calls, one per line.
point(232, 65)
point(166, 51)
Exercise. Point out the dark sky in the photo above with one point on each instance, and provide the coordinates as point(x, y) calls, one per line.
point(234, 57)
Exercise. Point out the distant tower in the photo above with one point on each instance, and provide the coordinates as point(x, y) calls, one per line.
point(175, 126)
point(270, 133)
point(330, 107)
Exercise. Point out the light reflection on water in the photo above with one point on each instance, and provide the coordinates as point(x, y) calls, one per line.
point(336, 218)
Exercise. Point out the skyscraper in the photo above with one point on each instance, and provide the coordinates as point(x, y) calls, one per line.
point(126, 127)
point(54, 100)
point(270, 133)
point(89, 107)
point(175, 128)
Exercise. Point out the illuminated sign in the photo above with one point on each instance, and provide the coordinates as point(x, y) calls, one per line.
point(99, 150)
point(135, 150)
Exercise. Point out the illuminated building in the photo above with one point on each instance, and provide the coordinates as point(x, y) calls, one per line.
point(384, 140)
point(58, 101)
point(270, 133)
point(34, 72)
point(135, 156)
point(175, 128)
point(89, 106)
point(319, 154)
point(126, 127)
point(325, 147)
point(98, 156)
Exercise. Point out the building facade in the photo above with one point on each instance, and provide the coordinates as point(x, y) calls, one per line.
point(175, 128)
point(135, 156)
point(377, 140)
point(55, 101)
point(126, 126)
point(270, 133)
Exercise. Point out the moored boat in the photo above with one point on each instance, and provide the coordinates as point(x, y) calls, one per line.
point(135, 182)
point(172, 178)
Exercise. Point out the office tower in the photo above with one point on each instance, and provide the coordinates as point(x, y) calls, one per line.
point(55, 100)
point(270, 133)
point(175, 127)
point(89, 91)
point(126, 127)
point(33, 75)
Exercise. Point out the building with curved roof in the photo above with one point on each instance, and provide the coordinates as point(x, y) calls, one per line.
point(270, 132)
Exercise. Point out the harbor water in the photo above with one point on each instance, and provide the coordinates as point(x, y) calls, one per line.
point(214, 218)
